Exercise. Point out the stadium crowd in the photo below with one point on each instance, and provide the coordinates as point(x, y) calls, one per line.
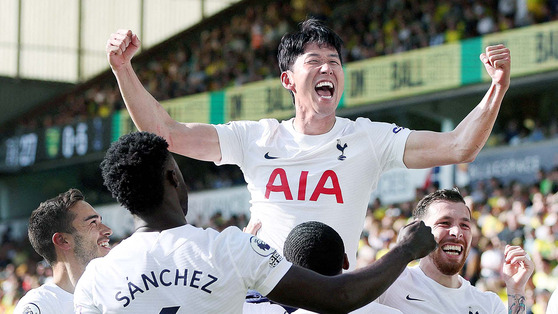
point(510, 213)
point(248, 40)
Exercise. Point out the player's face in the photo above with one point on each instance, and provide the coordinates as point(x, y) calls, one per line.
point(318, 79)
point(451, 226)
point(91, 236)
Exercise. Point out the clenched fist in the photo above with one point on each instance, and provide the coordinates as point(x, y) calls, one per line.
point(417, 239)
point(121, 47)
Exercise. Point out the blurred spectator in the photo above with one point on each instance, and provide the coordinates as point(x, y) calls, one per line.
point(512, 233)
point(491, 261)
point(540, 305)
point(472, 268)
point(544, 277)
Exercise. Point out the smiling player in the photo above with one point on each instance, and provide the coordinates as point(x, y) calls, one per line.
point(68, 233)
point(435, 284)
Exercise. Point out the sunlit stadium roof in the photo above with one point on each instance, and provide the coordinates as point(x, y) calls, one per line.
point(64, 40)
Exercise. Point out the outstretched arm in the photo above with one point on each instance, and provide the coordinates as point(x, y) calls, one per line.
point(516, 271)
point(301, 287)
point(195, 140)
point(465, 142)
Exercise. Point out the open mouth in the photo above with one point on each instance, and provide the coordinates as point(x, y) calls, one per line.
point(104, 244)
point(451, 249)
point(325, 89)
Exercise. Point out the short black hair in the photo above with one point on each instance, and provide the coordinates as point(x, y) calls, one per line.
point(450, 195)
point(50, 217)
point(311, 31)
point(133, 171)
point(316, 246)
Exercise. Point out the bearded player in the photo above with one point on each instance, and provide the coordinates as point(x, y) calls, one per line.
point(68, 233)
point(435, 284)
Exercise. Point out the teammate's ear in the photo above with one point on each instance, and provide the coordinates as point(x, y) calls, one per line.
point(287, 80)
point(172, 177)
point(60, 240)
point(345, 261)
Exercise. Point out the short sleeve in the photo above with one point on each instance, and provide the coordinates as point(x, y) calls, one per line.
point(230, 142)
point(48, 298)
point(388, 141)
point(553, 303)
point(31, 307)
point(259, 265)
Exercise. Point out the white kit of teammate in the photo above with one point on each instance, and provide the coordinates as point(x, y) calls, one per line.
point(212, 274)
point(552, 307)
point(48, 298)
point(414, 292)
point(370, 308)
point(294, 178)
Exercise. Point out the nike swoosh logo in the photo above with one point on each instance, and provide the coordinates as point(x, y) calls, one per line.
point(408, 297)
point(266, 156)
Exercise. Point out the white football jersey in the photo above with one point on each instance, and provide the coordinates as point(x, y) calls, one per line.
point(180, 270)
point(414, 292)
point(294, 178)
point(553, 303)
point(263, 308)
point(370, 308)
point(48, 298)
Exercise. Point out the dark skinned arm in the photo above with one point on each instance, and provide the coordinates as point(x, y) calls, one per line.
point(304, 288)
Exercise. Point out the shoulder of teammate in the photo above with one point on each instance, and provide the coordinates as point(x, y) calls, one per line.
point(29, 308)
point(262, 124)
point(408, 275)
point(35, 301)
point(384, 128)
point(236, 132)
point(83, 294)
point(233, 236)
point(87, 278)
point(248, 249)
